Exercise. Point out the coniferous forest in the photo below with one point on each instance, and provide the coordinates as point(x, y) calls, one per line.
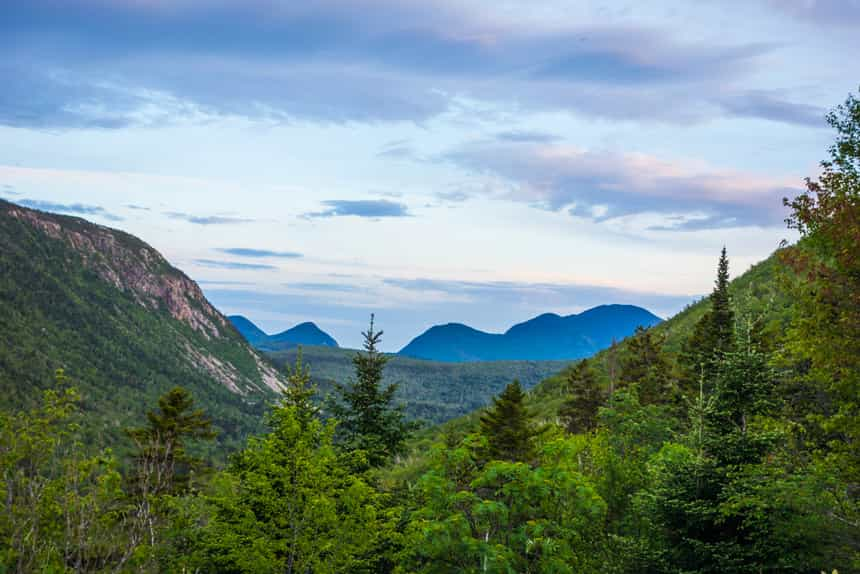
point(734, 450)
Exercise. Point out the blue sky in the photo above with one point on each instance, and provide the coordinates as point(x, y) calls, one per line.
point(434, 161)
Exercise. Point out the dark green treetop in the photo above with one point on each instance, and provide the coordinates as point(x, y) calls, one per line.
point(578, 413)
point(507, 428)
point(369, 419)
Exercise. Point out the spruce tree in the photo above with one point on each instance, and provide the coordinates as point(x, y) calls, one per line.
point(578, 413)
point(713, 335)
point(163, 464)
point(647, 366)
point(507, 427)
point(300, 392)
point(369, 420)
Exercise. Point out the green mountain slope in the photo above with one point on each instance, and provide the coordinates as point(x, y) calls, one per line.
point(431, 391)
point(123, 323)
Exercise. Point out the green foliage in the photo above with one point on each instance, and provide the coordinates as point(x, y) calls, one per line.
point(824, 344)
point(505, 516)
point(578, 413)
point(713, 334)
point(60, 508)
point(369, 420)
point(300, 391)
point(506, 426)
point(646, 366)
point(289, 503)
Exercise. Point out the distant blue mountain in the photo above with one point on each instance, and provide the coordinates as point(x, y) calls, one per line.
point(302, 334)
point(247, 329)
point(546, 337)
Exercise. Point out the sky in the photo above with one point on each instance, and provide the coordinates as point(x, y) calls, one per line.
point(430, 162)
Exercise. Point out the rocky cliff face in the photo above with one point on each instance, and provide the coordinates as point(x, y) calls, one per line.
point(136, 269)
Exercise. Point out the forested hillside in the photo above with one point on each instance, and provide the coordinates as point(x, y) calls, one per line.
point(122, 323)
point(431, 391)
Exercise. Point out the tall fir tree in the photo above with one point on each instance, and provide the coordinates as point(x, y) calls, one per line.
point(712, 337)
point(578, 413)
point(647, 366)
point(714, 510)
point(300, 391)
point(369, 419)
point(507, 427)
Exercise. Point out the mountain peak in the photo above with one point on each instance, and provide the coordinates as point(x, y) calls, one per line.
point(548, 336)
point(306, 333)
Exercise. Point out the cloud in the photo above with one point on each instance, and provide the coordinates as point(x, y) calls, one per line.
point(770, 106)
point(69, 208)
point(207, 219)
point(326, 287)
point(399, 149)
point(837, 13)
point(90, 64)
point(7, 189)
point(454, 196)
point(246, 252)
point(371, 208)
point(217, 264)
point(602, 185)
point(544, 296)
point(527, 136)
point(137, 207)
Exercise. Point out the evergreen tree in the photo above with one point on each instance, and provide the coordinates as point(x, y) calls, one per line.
point(162, 466)
point(712, 337)
point(369, 421)
point(647, 366)
point(507, 428)
point(300, 392)
point(289, 503)
point(720, 496)
point(579, 411)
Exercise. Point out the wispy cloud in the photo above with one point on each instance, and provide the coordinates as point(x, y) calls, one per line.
point(606, 185)
point(526, 136)
point(236, 265)
point(772, 106)
point(248, 252)
point(207, 219)
point(326, 61)
point(539, 295)
point(137, 207)
point(837, 13)
point(69, 208)
point(369, 208)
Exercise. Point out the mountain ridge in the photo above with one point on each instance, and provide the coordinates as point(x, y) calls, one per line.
point(123, 324)
point(548, 336)
point(306, 333)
